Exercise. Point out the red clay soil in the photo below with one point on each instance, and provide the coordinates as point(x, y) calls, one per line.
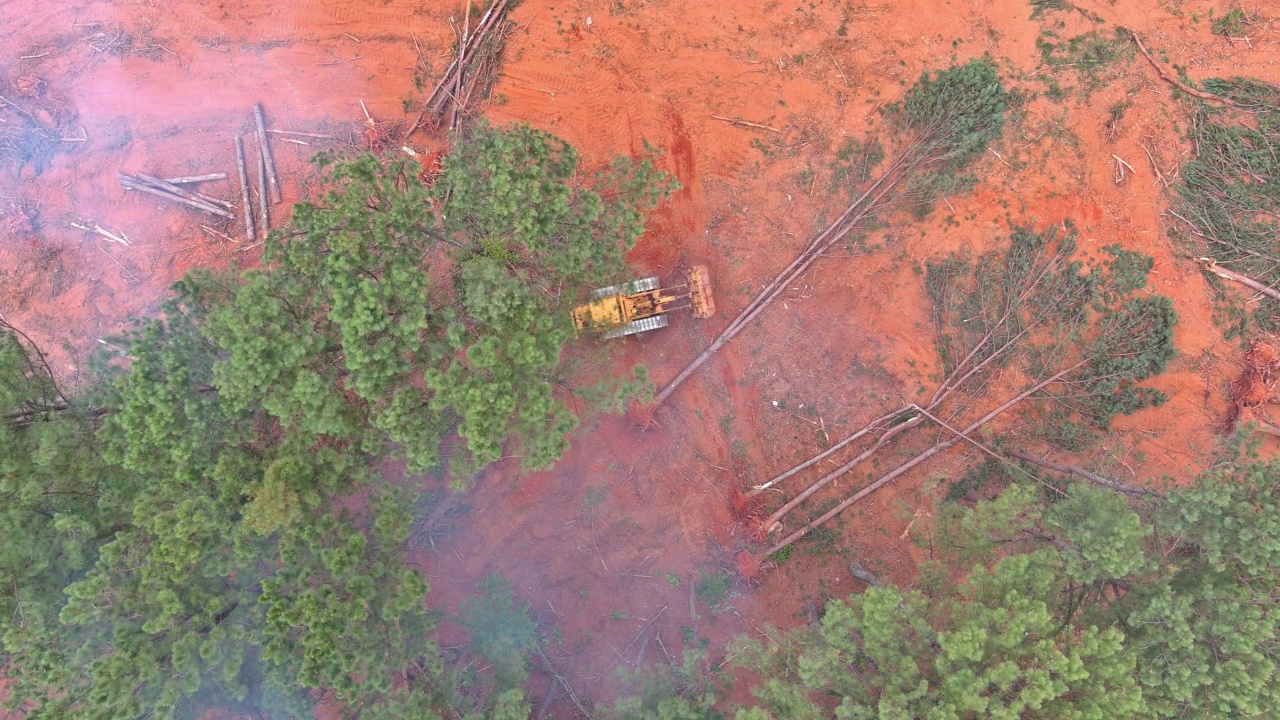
point(620, 532)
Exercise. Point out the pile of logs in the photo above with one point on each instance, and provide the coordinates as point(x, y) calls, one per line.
point(172, 189)
point(466, 69)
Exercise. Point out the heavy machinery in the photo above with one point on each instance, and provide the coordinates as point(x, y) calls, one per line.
point(642, 305)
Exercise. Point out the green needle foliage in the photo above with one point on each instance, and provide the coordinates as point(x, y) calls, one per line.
point(946, 121)
point(191, 542)
point(1085, 607)
point(955, 114)
point(377, 322)
point(59, 504)
point(1035, 307)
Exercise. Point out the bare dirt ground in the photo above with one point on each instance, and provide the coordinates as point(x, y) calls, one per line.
point(620, 533)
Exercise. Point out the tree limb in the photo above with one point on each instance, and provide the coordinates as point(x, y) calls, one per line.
point(1212, 266)
point(1164, 75)
point(1095, 478)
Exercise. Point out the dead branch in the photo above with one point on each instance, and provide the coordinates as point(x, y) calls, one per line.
point(1267, 428)
point(1120, 168)
point(1164, 75)
point(646, 627)
point(220, 234)
point(48, 371)
point(1095, 478)
point(734, 121)
point(265, 147)
point(318, 136)
point(562, 680)
point(1159, 175)
point(1195, 230)
point(98, 230)
point(1212, 266)
point(249, 233)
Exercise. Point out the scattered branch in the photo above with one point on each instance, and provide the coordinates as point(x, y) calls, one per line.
point(1164, 75)
point(735, 121)
point(97, 229)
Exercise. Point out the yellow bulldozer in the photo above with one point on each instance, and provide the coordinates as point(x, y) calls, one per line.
point(642, 305)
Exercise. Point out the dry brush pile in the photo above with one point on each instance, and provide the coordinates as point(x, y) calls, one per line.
point(1228, 200)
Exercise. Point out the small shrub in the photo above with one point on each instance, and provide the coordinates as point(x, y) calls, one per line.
point(1233, 24)
point(713, 589)
point(502, 629)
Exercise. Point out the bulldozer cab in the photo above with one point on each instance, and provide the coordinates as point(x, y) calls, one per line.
point(642, 305)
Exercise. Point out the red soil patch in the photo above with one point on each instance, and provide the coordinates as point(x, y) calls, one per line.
point(639, 510)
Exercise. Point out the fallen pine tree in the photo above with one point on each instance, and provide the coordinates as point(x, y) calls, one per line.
point(1076, 339)
point(945, 122)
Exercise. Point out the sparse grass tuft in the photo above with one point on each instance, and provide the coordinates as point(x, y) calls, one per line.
point(1040, 7)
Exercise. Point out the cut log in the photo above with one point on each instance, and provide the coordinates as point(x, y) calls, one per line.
point(182, 193)
point(318, 136)
point(189, 179)
point(136, 184)
point(245, 204)
point(265, 148)
point(264, 218)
